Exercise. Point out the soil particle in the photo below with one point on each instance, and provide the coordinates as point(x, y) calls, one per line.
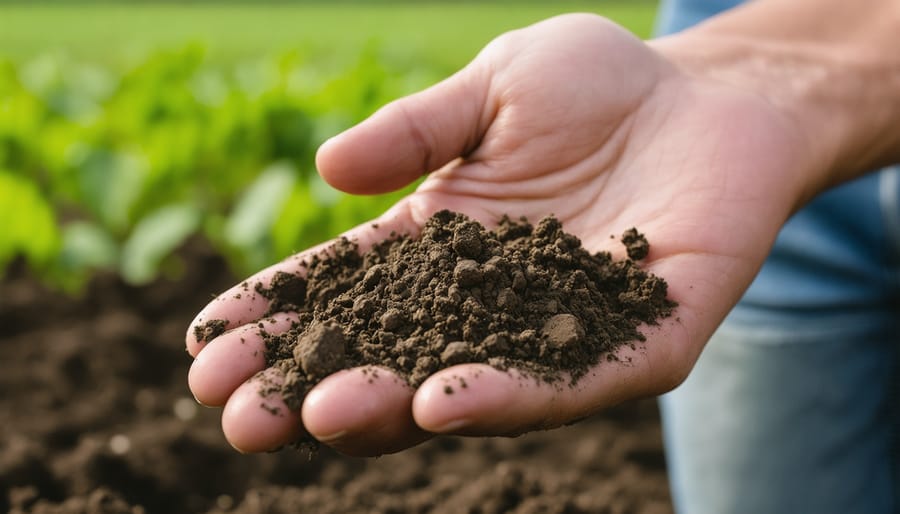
point(391, 320)
point(496, 344)
point(456, 352)
point(636, 244)
point(524, 296)
point(372, 277)
point(210, 330)
point(363, 307)
point(285, 292)
point(508, 300)
point(468, 239)
point(563, 331)
point(320, 350)
point(467, 273)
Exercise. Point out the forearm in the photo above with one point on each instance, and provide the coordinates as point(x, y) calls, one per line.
point(833, 67)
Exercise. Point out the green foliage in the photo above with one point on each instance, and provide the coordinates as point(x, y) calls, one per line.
point(27, 221)
point(115, 164)
point(115, 169)
point(155, 236)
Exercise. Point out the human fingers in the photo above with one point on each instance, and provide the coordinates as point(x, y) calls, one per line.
point(232, 358)
point(256, 418)
point(411, 136)
point(480, 400)
point(360, 411)
point(244, 303)
point(476, 399)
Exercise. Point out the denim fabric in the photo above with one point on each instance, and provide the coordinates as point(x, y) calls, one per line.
point(793, 406)
point(676, 15)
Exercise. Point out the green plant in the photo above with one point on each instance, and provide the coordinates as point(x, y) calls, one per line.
point(115, 169)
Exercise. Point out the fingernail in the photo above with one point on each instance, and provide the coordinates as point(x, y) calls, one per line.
point(242, 452)
point(330, 438)
point(199, 402)
point(452, 426)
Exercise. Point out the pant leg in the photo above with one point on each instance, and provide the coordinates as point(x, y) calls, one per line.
point(786, 420)
point(675, 15)
point(793, 405)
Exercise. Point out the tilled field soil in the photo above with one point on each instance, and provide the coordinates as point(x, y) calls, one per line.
point(97, 418)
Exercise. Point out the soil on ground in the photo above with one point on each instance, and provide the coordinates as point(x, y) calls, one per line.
point(97, 418)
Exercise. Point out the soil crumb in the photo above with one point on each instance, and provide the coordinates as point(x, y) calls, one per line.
point(635, 244)
point(210, 330)
point(523, 296)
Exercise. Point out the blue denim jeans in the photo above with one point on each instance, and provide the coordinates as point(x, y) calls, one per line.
point(793, 405)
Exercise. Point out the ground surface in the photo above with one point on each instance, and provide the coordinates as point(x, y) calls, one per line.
point(97, 418)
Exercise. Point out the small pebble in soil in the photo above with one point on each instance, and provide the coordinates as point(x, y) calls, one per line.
point(119, 444)
point(185, 408)
point(563, 330)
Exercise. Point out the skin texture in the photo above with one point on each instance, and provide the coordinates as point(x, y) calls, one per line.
point(572, 116)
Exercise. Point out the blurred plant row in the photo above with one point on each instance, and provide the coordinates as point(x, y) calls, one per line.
point(104, 169)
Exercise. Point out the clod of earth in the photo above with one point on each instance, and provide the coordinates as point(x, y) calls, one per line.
point(563, 330)
point(521, 296)
point(635, 244)
point(320, 350)
point(210, 330)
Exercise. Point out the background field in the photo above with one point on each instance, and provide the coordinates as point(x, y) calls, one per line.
point(127, 129)
point(444, 34)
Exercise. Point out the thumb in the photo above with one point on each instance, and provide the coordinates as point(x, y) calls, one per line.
point(409, 137)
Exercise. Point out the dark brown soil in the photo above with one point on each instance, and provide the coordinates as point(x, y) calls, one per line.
point(521, 296)
point(97, 418)
point(636, 244)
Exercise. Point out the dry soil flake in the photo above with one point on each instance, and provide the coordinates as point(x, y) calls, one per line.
point(521, 296)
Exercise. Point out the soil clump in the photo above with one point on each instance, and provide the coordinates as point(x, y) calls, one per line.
point(522, 296)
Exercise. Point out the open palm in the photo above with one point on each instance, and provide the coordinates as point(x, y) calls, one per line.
point(574, 117)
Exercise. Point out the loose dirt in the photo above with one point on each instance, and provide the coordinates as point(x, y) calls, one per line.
point(521, 296)
point(97, 418)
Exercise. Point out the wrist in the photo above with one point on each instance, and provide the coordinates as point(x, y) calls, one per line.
point(842, 99)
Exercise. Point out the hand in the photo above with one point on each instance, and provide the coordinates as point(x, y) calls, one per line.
point(572, 116)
